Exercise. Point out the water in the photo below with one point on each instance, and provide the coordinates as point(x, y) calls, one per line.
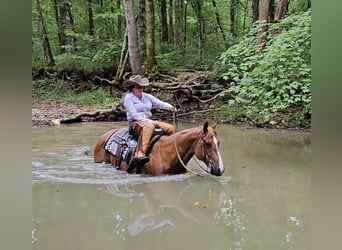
point(262, 201)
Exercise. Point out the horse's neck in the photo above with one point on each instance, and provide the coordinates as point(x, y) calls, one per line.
point(185, 142)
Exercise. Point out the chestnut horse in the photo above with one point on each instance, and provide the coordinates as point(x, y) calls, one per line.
point(170, 154)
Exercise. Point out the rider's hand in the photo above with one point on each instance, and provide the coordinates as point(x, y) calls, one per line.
point(173, 109)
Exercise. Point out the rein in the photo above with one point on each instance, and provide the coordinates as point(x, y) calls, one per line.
point(181, 161)
point(175, 121)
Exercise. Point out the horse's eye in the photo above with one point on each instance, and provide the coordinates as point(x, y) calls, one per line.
point(208, 144)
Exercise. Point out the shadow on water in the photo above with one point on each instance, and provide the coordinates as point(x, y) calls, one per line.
point(261, 201)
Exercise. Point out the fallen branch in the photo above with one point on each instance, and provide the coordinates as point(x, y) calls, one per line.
point(208, 100)
point(105, 115)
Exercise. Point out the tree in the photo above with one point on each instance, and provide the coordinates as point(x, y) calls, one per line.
point(255, 10)
point(43, 34)
point(218, 21)
point(123, 60)
point(90, 17)
point(271, 11)
point(142, 28)
point(66, 21)
point(281, 11)
point(232, 17)
point(150, 61)
point(179, 29)
point(171, 29)
point(119, 20)
point(197, 6)
point(133, 48)
point(57, 22)
point(260, 43)
point(163, 20)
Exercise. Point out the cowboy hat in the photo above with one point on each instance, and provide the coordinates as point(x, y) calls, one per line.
point(136, 80)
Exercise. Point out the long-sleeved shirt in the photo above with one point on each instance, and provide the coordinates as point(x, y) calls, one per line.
point(140, 110)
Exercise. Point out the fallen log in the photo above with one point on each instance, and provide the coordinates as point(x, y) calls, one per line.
point(104, 115)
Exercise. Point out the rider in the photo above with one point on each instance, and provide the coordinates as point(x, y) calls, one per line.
point(138, 106)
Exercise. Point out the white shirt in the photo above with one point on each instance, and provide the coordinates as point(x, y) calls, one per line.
point(140, 109)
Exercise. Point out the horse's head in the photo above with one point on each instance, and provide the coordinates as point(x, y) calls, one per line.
point(207, 150)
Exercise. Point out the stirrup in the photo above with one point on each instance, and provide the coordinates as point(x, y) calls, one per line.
point(140, 161)
point(136, 164)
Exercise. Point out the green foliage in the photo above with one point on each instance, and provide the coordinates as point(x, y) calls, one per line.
point(98, 97)
point(49, 89)
point(271, 86)
point(169, 57)
point(265, 87)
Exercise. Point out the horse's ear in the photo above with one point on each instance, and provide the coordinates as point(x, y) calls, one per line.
point(205, 128)
point(214, 125)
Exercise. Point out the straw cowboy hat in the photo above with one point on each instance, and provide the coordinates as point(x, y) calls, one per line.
point(136, 80)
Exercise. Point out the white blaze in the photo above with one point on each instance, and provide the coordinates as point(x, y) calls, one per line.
point(221, 166)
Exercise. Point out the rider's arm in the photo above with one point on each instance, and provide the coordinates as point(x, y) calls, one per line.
point(160, 104)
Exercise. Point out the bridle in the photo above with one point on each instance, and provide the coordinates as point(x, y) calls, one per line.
point(206, 159)
point(198, 164)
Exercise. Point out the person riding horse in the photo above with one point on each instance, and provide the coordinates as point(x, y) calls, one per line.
point(138, 106)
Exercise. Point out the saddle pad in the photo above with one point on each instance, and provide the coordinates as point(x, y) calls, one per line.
point(117, 138)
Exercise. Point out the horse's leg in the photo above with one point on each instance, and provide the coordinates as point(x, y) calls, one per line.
point(100, 154)
point(112, 159)
point(123, 165)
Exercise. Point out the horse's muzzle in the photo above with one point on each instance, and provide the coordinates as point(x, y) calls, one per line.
point(216, 172)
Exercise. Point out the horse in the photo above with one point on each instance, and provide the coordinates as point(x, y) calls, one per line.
point(170, 154)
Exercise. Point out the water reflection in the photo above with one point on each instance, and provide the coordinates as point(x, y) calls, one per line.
point(164, 207)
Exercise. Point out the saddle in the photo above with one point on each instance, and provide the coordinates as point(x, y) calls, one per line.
point(123, 143)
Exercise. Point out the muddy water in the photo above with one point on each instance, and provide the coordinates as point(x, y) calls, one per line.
point(262, 201)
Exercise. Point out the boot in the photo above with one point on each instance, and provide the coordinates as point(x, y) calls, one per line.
point(146, 134)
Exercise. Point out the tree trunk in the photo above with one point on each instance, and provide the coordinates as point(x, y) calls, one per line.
point(218, 21)
point(90, 17)
point(171, 29)
point(196, 5)
point(119, 20)
point(163, 20)
point(260, 42)
point(43, 34)
point(232, 18)
point(123, 60)
point(184, 25)
point(245, 17)
point(179, 35)
point(255, 10)
point(66, 22)
point(142, 28)
point(133, 48)
point(58, 26)
point(271, 11)
point(281, 11)
point(150, 61)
